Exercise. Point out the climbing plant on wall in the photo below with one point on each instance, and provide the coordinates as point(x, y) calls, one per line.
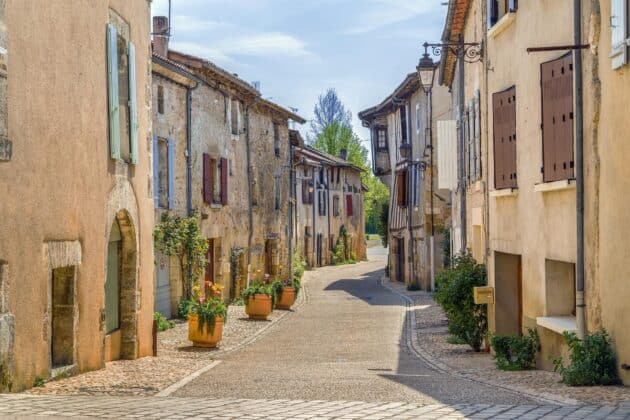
point(181, 237)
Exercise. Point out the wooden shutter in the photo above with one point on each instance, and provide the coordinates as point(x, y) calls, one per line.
point(133, 107)
point(224, 181)
point(304, 191)
point(447, 154)
point(504, 123)
point(403, 123)
point(156, 173)
point(207, 179)
point(557, 118)
point(171, 174)
point(112, 84)
point(477, 135)
point(618, 32)
point(399, 187)
point(349, 209)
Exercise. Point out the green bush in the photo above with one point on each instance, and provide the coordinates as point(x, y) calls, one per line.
point(298, 264)
point(163, 324)
point(183, 308)
point(207, 310)
point(454, 293)
point(516, 352)
point(260, 288)
point(451, 339)
point(593, 361)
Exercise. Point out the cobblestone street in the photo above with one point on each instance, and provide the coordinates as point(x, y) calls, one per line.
point(347, 353)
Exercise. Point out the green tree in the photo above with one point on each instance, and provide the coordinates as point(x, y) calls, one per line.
point(181, 237)
point(376, 202)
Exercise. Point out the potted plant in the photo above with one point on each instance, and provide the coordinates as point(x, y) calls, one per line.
point(206, 316)
point(259, 298)
point(286, 292)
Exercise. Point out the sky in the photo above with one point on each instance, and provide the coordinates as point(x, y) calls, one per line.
point(297, 49)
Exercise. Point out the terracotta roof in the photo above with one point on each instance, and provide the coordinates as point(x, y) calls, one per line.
point(407, 88)
point(453, 28)
point(326, 157)
point(173, 66)
point(206, 67)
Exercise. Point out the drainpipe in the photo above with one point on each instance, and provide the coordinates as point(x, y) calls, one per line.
point(462, 147)
point(579, 170)
point(432, 238)
point(249, 190)
point(314, 233)
point(189, 92)
point(290, 210)
point(410, 194)
point(328, 210)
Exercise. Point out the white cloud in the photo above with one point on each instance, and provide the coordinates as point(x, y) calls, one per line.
point(264, 44)
point(202, 51)
point(381, 13)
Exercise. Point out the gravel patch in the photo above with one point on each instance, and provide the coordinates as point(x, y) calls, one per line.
point(176, 359)
point(431, 327)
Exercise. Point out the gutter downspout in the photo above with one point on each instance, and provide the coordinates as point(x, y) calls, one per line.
point(249, 191)
point(314, 232)
point(462, 147)
point(432, 238)
point(579, 170)
point(189, 91)
point(290, 210)
point(328, 212)
point(410, 195)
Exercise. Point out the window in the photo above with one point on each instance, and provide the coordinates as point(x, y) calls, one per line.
point(338, 175)
point(276, 140)
point(499, 8)
point(619, 32)
point(381, 138)
point(321, 202)
point(123, 116)
point(402, 188)
point(307, 191)
point(418, 116)
point(277, 191)
point(403, 124)
point(336, 205)
point(164, 173)
point(235, 117)
point(215, 180)
point(349, 207)
point(557, 118)
point(504, 123)
point(160, 99)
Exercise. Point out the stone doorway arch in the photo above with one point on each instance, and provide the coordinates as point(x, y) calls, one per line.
point(121, 290)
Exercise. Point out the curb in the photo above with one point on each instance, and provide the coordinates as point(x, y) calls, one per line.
point(171, 389)
point(429, 359)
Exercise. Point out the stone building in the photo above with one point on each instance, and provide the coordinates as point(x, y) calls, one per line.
point(329, 200)
point(76, 254)
point(404, 159)
point(225, 151)
point(553, 267)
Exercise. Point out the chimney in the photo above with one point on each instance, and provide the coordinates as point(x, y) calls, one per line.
point(160, 35)
point(343, 154)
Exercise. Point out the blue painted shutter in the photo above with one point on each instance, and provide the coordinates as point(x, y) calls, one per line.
point(133, 106)
point(171, 174)
point(112, 79)
point(156, 173)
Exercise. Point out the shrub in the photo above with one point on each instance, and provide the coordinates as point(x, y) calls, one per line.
point(260, 288)
point(183, 308)
point(451, 339)
point(454, 293)
point(298, 264)
point(593, 361)
point(163, 324)
point(515, 352)
point(413, 287)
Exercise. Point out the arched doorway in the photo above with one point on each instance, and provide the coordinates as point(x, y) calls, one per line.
point(121, 313)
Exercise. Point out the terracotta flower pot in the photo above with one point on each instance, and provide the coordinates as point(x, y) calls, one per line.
point(258, 306)
point(286, 298)
point(206, 336)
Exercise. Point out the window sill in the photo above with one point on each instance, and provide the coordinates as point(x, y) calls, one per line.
point(558, 324)
point(504, 192)
point(215, 206)
point(236, 137)
point(565, 184)
point(503, 23)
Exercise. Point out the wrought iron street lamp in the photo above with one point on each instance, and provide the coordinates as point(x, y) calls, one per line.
point(426, 70)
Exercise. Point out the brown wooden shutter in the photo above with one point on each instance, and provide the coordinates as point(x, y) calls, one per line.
point(504, 123)
point(224, 181)
point(399, 189)
point(207, 179)
point(557, 118)
point(349, 209)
